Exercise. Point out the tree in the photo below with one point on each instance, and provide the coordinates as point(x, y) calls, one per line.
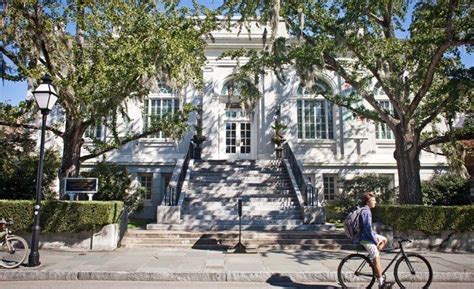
point(19, 162)
point(101, 54)
point(366, 44)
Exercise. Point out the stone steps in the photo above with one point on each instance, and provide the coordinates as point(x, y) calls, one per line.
point(198, 205)
point(205, 226)
point(270, 219)
point(258, 241)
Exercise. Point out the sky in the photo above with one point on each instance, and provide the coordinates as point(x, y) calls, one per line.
point(14, 92)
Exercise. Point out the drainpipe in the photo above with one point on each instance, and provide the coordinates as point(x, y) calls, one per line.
point(341, 121)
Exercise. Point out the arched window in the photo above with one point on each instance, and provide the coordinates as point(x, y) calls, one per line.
point(317, 89)
point(382, 130)
point(314, 114)
point(164, 103)
point(233, 87)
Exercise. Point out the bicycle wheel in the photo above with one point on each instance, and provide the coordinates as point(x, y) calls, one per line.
point(421, 275)
point(13, 252)
point(355, 271)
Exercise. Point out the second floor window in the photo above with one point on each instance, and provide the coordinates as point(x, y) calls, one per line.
point(382, 130)
point(157, 108)
point(94, 132)
point(315, 119)
point(314, 113)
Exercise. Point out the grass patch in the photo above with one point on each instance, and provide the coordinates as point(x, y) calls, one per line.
point(138, 223)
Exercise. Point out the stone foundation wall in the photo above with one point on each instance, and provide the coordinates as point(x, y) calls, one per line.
point(446, 241)
point(105, 239)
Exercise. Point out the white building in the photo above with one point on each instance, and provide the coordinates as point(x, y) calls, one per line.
point(328, 140)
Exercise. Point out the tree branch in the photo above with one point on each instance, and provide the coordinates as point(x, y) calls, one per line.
point(450, 42)
point(446, 137)
point(111, 147)
point(434, 113)
point(30, 126)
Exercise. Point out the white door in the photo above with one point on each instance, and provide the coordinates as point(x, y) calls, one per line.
point(238, 136)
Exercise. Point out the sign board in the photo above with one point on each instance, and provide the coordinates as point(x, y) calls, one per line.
point(81, 185)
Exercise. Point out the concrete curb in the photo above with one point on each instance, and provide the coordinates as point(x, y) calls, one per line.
point(27, 275)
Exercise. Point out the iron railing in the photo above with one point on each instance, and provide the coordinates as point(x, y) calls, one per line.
point(173, 190)
point(310, 195)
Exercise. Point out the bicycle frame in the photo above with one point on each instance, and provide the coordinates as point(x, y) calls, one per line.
point(401, 252)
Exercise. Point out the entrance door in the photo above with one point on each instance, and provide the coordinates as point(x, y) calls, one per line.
point(238, 139)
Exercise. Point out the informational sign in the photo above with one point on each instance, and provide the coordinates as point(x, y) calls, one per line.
point(81, 185)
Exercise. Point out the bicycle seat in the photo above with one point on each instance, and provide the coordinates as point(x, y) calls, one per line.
point(402, 240)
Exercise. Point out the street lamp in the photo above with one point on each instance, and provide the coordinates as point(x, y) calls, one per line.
point(45, 96)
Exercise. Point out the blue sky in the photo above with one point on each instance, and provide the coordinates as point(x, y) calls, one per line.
point(14, 92)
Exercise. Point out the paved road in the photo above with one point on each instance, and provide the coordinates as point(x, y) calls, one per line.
point(186, 285)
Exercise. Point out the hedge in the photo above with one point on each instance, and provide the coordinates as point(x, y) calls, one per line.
point(61, 216)
point(426, 219)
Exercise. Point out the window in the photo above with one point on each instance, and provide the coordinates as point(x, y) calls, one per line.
point(94, 131)
point(146, 183)
point(157, 108)
point(382, 130)
point(315, 119)
point(330, 185)
point(315, 116)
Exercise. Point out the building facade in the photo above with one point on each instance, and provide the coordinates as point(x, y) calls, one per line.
point(330, 142)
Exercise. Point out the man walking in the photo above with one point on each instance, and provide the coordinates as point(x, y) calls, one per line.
point(371, 241)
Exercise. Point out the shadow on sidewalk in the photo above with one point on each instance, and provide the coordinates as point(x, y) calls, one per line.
point(286, 282)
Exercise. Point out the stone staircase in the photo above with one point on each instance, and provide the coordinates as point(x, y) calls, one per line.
point(271, 215)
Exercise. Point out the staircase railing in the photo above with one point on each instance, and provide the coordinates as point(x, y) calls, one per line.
point(173, 190)
point(310, 195)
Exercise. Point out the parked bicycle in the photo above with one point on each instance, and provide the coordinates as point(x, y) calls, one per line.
point(411, 270)
point(13, 249)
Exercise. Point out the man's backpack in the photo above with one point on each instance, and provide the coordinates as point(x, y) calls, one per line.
point(351, 223)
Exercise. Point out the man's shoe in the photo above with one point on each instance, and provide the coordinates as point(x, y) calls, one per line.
point(386, 285)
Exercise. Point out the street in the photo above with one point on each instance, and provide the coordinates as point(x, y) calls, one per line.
point(186, 285)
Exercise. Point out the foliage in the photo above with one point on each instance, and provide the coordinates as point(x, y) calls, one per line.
point(416, 65)
point(279, 133)
point(114, 180)
point(353, 189)
point(100, 54)
point(446, 190)
point(426, 219)
point(61, 216)
point(115, 184)
point(19, 165)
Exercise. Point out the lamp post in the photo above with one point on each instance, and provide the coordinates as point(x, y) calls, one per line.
point(45, 96)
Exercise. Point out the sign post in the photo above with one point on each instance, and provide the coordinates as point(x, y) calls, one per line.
point(75, 186)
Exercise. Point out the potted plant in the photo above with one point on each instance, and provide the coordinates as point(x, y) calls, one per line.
point(198, 139)
point(279, 138)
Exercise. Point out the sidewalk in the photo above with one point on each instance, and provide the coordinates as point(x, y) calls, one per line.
point(169, 264)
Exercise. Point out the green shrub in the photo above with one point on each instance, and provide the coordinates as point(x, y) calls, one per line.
point(61, 216)
point(114, 180)
point(426, 219)
point(446, 190)
point(352, 191)
point(335, 212)
point(19, 165)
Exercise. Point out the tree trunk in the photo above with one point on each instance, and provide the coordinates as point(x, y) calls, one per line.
point(72, 144)
point(407, 154)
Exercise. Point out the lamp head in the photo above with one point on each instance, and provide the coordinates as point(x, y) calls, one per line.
point(45, 94)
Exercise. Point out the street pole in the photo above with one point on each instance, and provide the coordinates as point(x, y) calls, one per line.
point(33, 258)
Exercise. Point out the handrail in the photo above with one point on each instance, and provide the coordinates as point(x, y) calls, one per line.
point(310, 195)
point(173, 190)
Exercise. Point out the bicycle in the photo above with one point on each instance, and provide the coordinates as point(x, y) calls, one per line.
point(411, 270)
point(13, 249)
